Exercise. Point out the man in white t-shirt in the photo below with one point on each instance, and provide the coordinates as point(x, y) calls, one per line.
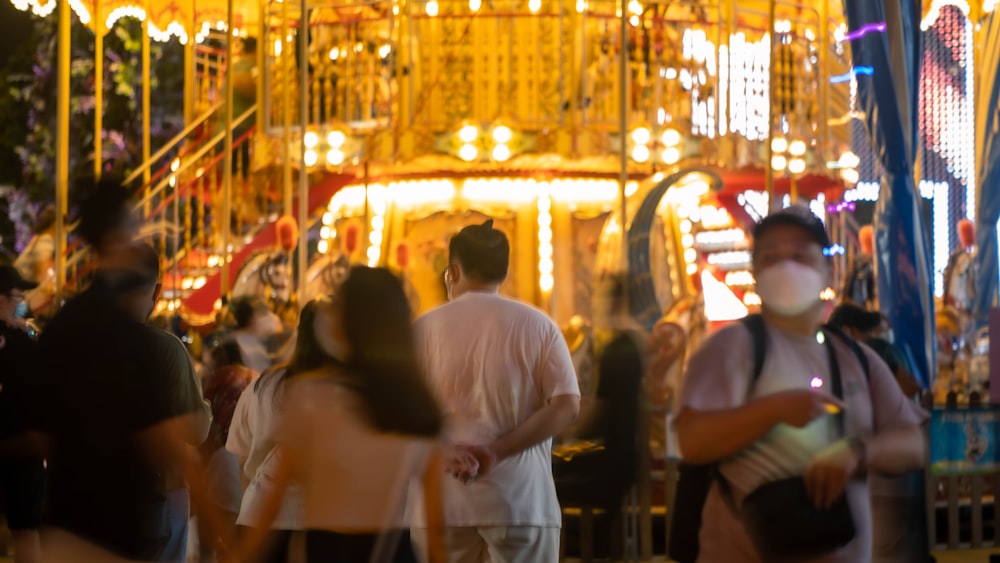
point(503, 375)
point(780, 425)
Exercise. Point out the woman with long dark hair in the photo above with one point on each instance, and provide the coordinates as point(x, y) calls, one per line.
point(353, 436)
point(253, 433)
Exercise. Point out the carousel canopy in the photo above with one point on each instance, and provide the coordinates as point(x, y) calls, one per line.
point(182, 19)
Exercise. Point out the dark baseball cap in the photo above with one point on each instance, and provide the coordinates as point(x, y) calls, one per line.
point(10, 280)
point(798, 216)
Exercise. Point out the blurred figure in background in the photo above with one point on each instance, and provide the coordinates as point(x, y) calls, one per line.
point(223, 386)
point(184, 398)
point(22, 472)
point(354, 436)
point(253, 436)
point(859, 286)
point(114, 430)
point(871, 328)
point(35, 264)
point(899, 525)
point(504, 375)
point(255, 325)
point(602, 474)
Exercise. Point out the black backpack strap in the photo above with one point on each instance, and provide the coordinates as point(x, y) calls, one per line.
point(758, 343)
point(854, 347)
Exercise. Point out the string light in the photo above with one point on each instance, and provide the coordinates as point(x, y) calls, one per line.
point(545, 264)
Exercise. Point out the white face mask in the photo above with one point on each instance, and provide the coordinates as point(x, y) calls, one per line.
point(790, 288)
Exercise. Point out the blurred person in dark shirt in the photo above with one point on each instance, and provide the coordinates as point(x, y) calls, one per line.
point(870, 328)
point(22, 473)
point(114, 431)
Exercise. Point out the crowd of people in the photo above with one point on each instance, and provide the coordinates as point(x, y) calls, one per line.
point(374, 437)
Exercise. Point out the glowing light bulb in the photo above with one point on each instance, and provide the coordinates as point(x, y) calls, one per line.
point(502, 134)
point(640, 135)
point(671, 137)
point(474, 5)
point(501, 153)
point(335, 157)
point(779, 144)
point(796, 166)
point(778, 162)
point(671, 155)
point(311, 158)
point(468, 133)
point(431, 8)
point(336, 139)
point(797, 148)
point(640, 153)
point(534, 6)
point(468, 153)
point(816, 383)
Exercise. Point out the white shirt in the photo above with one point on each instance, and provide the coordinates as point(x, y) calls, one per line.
point(493, 362)
point(253, 437)
point(354, 478)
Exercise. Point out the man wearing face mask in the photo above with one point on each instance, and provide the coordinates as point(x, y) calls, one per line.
point(778, 426)
point(22, 475)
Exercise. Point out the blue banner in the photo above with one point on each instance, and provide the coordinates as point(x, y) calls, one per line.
point(988, 161)
point(964, 440)
point(887, 95)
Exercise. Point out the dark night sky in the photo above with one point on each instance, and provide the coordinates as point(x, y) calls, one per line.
point(15, 28)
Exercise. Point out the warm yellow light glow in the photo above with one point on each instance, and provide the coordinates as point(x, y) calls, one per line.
point(690, 255)
point(474, 5)
point(431, 8)
point(640, 153)
point(686, 226)
point(277, 47)
point(721, 304)
point(779, 144)
point(740, 278)
point(640, 135)
point(324, 232)
point(468, 133)
point(828, 294)
point(328, 218)
point(335, 157)
point(796, 166)
point(311, 158)
point(631, 188)
point(501, 153)
point(850, 175)
point(635, 7)
point(849, 160)
point(726, 237)
point(671, 137)
point(534, 6)
point(671, 155)
point(581, 6)
point(334, 54)
point(687, 240)
point(692, 269)
point(415, 193)
point(751, 299)
point(311, 140)
point(633, 21)
point(322, 247)
point(778, 162)
point(468, 153)
point(384, 51)
point(797, 147)
point(502, 134)
point(545, 263)
point(336, 138)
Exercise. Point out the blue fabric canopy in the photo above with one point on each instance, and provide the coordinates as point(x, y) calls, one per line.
point(888, 97)
point(988, 173)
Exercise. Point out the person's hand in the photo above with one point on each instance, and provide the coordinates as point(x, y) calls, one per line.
point(800, 407)
point(470, 462)
point(828, 474)
point(486, 457)
point(462, 465)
